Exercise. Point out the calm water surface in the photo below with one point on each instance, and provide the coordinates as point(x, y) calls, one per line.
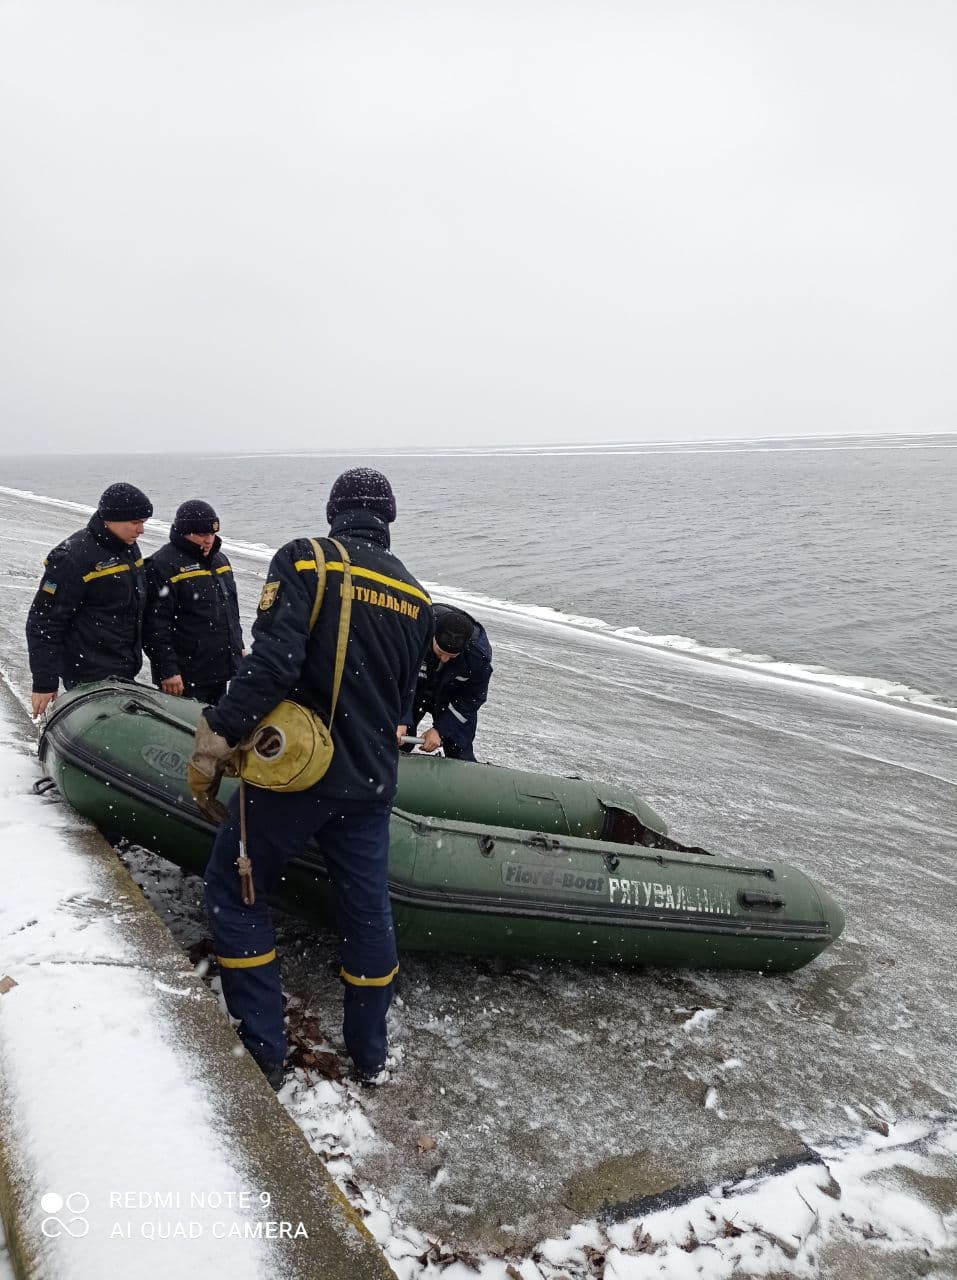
point(831, 552)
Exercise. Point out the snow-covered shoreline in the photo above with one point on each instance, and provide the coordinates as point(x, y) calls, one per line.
point(781, 1224)
point(841, 1043)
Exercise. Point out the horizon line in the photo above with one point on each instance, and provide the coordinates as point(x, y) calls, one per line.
point(497, 449)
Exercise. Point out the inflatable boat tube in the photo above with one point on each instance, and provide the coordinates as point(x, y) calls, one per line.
point(483, 860)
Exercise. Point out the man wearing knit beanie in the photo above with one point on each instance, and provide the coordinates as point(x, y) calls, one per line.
point(85, 620)
point(361, 489)
point(453, 684)
point(196, 517)
point(191, 631)
point(386, 631)
point(123, 503)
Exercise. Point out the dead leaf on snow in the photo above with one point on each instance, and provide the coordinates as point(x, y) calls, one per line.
point(6, 984)
point(426, 1143)
point(730, 1230)
point(305, 1038)
point(643, 1241)
point(309, 1029)
point(445, 1254)
point(594, 1260)
point(789, 1250)
point(326, 1064)
point(692, 1242)
point(870, 1232)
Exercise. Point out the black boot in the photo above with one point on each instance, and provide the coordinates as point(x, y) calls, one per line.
point(275, 1074)
point(369, 1079)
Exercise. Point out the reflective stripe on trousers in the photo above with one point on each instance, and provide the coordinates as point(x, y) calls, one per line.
point(354, 839)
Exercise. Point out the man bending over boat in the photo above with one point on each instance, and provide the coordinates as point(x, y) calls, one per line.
point(302, 636)
point(192, 631)
point(452, 685)
point(86, 619)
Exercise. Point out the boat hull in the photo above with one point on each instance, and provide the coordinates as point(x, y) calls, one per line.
point(118, 754)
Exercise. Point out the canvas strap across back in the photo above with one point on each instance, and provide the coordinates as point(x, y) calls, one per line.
point(345, 612)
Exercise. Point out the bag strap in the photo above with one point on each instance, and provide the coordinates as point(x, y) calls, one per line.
point(345, 616)
point(345, 612)
point(320, 584)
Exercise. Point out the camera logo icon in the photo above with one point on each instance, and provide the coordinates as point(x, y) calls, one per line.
point(75, 1204)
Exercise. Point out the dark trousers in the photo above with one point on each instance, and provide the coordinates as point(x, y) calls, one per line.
point(354, 838)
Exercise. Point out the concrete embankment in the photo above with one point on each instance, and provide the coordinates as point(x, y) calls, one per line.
point(138, 1137)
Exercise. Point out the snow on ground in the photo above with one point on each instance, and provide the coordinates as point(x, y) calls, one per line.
point(98, 1101)
point(761, 1226)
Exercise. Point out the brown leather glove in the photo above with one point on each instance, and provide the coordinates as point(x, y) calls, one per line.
point(211, 754)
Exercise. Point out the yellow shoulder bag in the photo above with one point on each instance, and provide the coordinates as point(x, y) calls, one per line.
point(291, 748)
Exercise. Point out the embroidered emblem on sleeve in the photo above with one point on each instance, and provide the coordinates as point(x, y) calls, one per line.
point(268, 597)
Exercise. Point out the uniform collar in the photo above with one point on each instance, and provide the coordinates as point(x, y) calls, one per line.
point(110, 541)
point(361, 524)
point(192, 549)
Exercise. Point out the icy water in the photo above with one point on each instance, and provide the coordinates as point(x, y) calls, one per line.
point(833, 556)
point(533, 1080)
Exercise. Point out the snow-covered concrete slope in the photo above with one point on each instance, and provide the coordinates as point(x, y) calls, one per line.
point(138, 1138)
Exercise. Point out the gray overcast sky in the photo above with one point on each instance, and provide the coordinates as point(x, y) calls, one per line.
point(303, 223)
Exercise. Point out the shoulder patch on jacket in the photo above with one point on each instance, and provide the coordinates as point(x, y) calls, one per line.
point(268, 597)
point(49, 587)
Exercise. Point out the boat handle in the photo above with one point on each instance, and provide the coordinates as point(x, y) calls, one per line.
point(760, 900)
point(541, 841)
point(143, 708)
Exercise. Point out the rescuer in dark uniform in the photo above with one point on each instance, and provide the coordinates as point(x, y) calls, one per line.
point(452, 685)
point(191, 632)
point(348, 809)
point(85, 622)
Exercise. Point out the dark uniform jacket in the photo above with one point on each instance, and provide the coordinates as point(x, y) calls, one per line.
point(85, 621)
point(192, 626)
point(390, 628)
point(453, 691)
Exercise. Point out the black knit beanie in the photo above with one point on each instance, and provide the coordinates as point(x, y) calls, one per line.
point(363, 489)
point(124, 501)
point(195, 516)
point(453, 630)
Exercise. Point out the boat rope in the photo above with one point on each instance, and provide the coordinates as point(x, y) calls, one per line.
point(243, 864)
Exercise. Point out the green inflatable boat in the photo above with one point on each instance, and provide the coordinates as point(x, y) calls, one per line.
point(483, 860)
